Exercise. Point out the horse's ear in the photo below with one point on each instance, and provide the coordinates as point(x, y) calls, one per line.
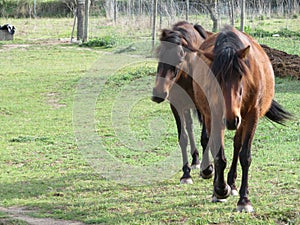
point(164, 33)
point(184, 42)
point(242, 53)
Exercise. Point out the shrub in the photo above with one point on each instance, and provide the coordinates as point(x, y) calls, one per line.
point(104, 42)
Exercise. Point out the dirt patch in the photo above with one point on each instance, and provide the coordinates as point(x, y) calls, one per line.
point(284, 64)
point(16, 213)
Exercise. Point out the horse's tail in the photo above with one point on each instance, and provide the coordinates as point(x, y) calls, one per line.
point(277, 114)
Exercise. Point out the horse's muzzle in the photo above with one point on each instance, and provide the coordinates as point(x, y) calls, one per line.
point(158, 97)
point(232, 124)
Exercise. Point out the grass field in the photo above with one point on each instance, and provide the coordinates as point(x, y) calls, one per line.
point(58, 98)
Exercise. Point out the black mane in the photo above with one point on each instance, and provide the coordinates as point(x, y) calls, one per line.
point(227, 65)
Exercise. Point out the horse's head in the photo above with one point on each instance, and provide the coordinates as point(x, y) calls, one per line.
point(229, 64)
point(171, 55)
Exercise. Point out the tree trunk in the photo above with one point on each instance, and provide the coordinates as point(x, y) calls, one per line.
point(160, 14)
point(213, 15)
point(109, 9)
point(154, 22)
point(217, 16)
point(86, 21)
point(243, 6)
point(231, 11)
point(80, 18)
point(115, 11)
point(140, 7)
point(269, 9)
point(187, 7)
point(260, 8)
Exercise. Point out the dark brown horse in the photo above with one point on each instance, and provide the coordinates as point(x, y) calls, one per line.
point(179, 46)
point(242, 93)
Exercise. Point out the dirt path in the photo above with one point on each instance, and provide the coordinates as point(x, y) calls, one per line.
point(20, 214)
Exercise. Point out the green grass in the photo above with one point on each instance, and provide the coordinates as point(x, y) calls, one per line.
point(44, 168)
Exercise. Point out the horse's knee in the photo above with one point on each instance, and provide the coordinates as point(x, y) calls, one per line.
point(183, 139)
point(245, 158)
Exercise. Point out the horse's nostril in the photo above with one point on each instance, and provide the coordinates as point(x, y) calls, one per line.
point(232, 124)
point(236, 121)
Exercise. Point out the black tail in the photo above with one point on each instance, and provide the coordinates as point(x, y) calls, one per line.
point(277, 114)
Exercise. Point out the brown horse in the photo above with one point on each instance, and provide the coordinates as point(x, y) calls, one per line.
point(242, 93)
point(179, 46)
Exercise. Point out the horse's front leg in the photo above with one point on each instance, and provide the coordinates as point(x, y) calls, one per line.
point(183, 142)
point(232, 174)
point(189, 127)
point(216, 143)
point(221, 189)
point(249, 127)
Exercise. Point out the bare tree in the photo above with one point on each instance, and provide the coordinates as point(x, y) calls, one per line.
point(71, 4)
point(187, 7)
point(243, 6)
point(160, 14)
point(231, 11)
point(109, 9)
point(213, 12)
point(154, 9)
point(115, 11)
point(80, 18)
point(86, 21)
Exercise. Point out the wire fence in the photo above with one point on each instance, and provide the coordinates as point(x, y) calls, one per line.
point(135, 18)
point(138, 13)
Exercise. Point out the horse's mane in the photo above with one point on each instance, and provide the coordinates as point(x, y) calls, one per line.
point(180, 31)
point(226, 64)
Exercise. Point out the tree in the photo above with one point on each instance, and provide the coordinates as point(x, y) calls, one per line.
point(80, 18)
point(231, 11)
point(109, 9)
point(213, 12)
point(86, 21)
point(243, 5)
point(154, 10)
point(115, 11)
point(187, 6)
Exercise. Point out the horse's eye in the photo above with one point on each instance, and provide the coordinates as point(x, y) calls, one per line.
point(176, 71)
point(181, 53)
point(241, 91)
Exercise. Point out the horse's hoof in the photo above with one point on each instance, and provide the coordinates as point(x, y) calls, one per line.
point(195, 166)
point(186, 181)
point(215, 199)
point(234, 192)
point(207, 173)
point(222, 194)
point(247, 208)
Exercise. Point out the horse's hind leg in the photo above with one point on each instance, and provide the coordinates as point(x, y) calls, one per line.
point(232, 174)
point(194, 150)
point(183, 142)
